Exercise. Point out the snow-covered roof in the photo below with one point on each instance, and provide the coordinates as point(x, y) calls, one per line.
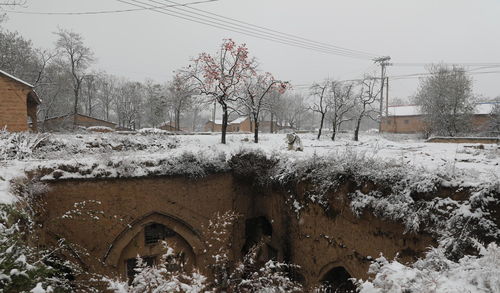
point(407, 110)
point(238, 120)
point(485, 108)
point(16, 79)
point(217, 121)
point(413, 110)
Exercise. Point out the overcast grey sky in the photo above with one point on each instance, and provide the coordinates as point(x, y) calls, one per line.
point(147, 44)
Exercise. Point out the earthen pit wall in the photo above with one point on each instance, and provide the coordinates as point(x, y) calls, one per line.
point(191, 201)
point(316, 242)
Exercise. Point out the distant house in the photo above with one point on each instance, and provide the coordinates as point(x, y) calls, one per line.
point(241, 124)
point(169, 126)
point(409, 119)
point(65, 122)
point(18, 104)
point(213, 126)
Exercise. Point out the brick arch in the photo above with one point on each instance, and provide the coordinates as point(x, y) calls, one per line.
point(182, 228)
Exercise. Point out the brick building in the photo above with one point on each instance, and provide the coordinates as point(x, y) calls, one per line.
point(18, 104)
point(409, 119)
point(66, 122)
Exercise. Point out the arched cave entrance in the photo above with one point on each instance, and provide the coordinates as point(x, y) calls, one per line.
point(259, 230)
point(145, 236)
point(149, 244)
point(336, 280)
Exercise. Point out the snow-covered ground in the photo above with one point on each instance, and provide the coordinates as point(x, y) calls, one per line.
point(472, 164)
point(153, 152)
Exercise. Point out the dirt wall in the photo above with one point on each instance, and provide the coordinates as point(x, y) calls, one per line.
point(317, 241)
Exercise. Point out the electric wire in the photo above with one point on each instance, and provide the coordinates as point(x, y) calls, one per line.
point(272, 31)
point(224, 26)
point(106, 11)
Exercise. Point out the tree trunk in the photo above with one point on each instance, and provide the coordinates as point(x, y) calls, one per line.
point(356, 130)
point(177, 120)
point(256, 131)
point(195, 116)
point(271, 127)
point(107, 112)
point(224, 124)
point(334, 130)
point(75, 110)
point(321, 125)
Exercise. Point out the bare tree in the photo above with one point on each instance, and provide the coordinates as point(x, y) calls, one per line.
point(218, 76)
point(273, 108)
point(369, 91)
point(79, 58)
point(106, 94)
point(12, 3)
point(90, 89)
point(154, 100)
point(129, 104)
point(341, 103)
point(320, 104)
point(291, 110)
point(446, 100)
point(18, 56)
point(55, 88)
point(495, 117)
point(180, 97)
point(255, 96)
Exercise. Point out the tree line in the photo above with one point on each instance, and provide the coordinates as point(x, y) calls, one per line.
point(65, 77)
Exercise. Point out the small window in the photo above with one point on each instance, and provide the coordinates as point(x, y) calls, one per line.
point(407, 121)
point(153, 233)
point(132, 264)
point(389, 121)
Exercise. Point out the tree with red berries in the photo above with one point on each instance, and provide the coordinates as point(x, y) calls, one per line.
point(219, 76)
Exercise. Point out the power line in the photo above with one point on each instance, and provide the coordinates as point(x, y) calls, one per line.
point(275, 32)
point(418, 75)
point(271, 33)
point(447, 63)
point(405, 76)
point(241, 29)
point(107, 11)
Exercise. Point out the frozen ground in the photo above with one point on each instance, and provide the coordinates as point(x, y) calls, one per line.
point(89, 155)
point(470, 163)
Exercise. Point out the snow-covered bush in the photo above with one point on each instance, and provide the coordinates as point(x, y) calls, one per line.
point(252, 166)
point(246, 275)
point(393, 191)
point(18, 145)
point(70, 145)
point(191, 165)
point(152, 131)
point(437, 274)
point(24, 268)
point(100, 129)
point(218, 242)
point(169, 275)
point(272, 277)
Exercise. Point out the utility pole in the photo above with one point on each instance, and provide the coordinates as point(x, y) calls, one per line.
point(387, 98)
point(383, 62)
